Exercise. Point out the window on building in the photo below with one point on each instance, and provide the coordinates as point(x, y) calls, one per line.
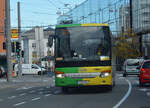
point(33, 45)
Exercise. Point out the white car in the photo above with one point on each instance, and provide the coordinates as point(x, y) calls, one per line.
point(130, 67)
point(30, 69)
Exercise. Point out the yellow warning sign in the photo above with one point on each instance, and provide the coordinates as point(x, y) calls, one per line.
point(14, 33)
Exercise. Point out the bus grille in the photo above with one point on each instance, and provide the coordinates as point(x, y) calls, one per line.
point(83, 75)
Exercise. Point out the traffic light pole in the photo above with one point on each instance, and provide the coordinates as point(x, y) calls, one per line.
point(19, 35)
point(8, 40)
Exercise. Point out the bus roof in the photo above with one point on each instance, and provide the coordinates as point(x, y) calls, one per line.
point(81, 25)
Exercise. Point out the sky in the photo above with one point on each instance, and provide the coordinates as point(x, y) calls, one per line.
point(39, 12)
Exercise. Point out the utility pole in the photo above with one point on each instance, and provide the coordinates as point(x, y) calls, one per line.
point(19, 39)
point(8, 40)
point(131, 14)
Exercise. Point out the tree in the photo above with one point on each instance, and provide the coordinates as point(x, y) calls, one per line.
point(127, 45)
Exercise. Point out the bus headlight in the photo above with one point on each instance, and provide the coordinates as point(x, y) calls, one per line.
point(104, 74)
point(60, 76)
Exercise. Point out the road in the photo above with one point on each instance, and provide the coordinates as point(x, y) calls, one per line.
point(126, 94)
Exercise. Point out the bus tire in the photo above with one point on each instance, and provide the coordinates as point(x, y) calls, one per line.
point(124, 75)
point(39, 73)
point(64, 89)
point(110, 87)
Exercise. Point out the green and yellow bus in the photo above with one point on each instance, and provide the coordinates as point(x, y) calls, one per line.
point(83, 56)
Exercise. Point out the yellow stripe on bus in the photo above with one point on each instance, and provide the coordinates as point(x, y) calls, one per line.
point(94, 69)
point(94, 24)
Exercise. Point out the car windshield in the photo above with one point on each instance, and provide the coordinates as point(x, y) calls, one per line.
point(83, 43)
point(146, 65)
point(133, 63)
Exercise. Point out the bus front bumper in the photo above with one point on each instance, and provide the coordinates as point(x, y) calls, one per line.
point(73, 82)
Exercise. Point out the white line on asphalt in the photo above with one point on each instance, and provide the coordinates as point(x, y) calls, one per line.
point(144, 89)
point(136, 81)
point(1, 100)
point(32, 91)
point(119, 75)
point(40, 89)
point(19, 103)
point(57, 92)
point(126, 96)
point(23, 88)
point(34, 99)
point(148, 93)
point(121, 78)
point(40, 92)
point(48, 87)
point(11, 97)
point(22, 94)
point(48, 95)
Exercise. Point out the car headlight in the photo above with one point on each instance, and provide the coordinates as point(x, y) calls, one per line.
point(60, 76)
point(104, 74)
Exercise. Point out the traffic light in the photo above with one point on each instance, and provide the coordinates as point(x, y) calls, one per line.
point(18, 49)
point(4, 45)
point(13, 47)
point(22, 53)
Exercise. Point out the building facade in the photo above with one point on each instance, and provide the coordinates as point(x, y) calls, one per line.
point(2, 18)
point(124, 18)
point(96, 11)
point(35, 44)
point(141, 23)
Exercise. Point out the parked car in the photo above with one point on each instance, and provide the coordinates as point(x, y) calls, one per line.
point(30, 69)
point(130, 67)
point(144, 72)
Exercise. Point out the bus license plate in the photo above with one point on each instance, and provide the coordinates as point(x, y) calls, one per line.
point(83, 82)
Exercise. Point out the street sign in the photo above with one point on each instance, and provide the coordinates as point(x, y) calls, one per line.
point(14, 33)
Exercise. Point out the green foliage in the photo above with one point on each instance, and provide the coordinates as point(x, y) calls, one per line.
point(127, 45)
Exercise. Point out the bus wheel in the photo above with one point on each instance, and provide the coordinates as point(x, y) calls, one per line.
point(39, 73)
point(110, 88)
point(124, 75)
point(64, 89)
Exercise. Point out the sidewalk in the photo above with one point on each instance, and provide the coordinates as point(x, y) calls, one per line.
point(26, 81)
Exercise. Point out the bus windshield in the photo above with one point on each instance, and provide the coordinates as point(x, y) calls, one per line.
point(83, 43)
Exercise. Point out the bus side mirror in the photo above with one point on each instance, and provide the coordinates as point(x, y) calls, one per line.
point(50, 40)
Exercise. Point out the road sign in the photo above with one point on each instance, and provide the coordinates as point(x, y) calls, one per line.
point(14, 33)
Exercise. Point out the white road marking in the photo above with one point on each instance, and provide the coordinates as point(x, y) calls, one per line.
point(56, 92)
point(121, 78)
point(148, 93)
point(126, 96)
point(45, 80)
point(32, 91)
point(11, 97)
point(1, 100)
point(22, 94)
point(137, 82)
point(21, 103)
point(119, 75)
point(40, 89)
point(23, 88)
point(48, 95)
point(40, 92)
point(144, 89)
point(48, 92)
point(34, 99)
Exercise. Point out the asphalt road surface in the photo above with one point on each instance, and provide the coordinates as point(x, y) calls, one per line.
point(126, 94)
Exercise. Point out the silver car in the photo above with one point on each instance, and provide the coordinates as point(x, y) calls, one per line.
point(130, 67)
